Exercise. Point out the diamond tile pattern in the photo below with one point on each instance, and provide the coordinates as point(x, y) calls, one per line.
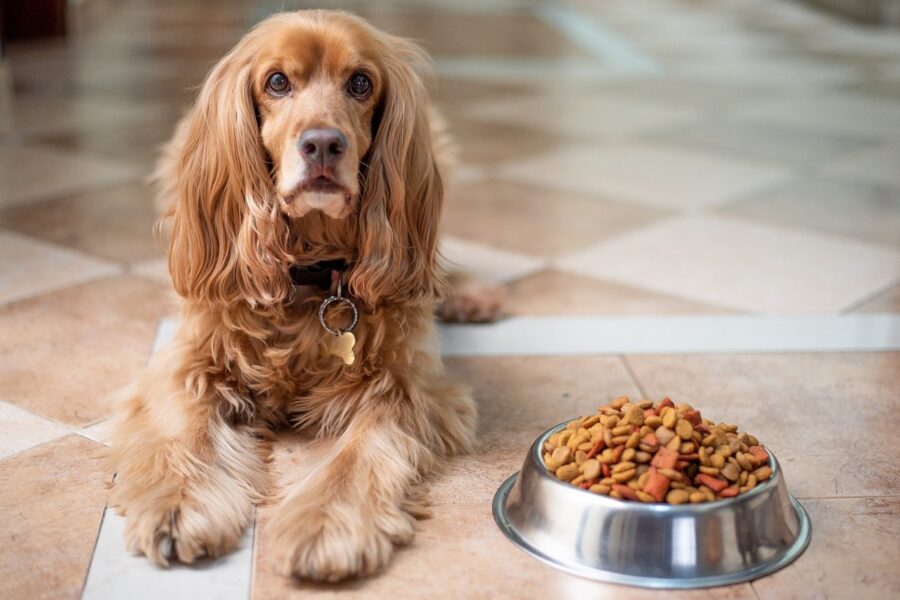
point(652, 157)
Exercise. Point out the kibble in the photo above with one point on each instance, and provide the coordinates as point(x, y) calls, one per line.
point(663, 452)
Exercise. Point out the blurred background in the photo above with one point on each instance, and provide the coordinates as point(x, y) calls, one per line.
point(736, 159)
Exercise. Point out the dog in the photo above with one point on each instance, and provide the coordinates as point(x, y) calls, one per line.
point(306, 189)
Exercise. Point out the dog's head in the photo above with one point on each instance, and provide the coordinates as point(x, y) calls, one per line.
point(314, 114)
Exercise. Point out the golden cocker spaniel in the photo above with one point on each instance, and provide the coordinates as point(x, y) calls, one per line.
point(305, 197)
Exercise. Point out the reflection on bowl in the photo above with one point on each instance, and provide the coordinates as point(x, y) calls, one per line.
point(650, 545)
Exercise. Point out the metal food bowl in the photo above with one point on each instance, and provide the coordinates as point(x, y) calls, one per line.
point(650, 545)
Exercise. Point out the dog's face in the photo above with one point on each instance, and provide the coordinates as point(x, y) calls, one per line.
point(312, 113)
point(316, 97)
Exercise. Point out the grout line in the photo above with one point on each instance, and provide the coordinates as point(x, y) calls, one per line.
point(93, 551)
point(869, 297)
point(253, 556)
point(753, 589)
point(864, 497)
point(45, 442)
point(633, 377)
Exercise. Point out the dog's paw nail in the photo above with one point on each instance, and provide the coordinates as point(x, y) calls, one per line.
point(166, 547)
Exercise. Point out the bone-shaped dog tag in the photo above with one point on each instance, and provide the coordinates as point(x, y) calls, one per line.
point(342, 347)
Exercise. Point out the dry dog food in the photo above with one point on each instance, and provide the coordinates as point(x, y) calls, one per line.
point(663, 452)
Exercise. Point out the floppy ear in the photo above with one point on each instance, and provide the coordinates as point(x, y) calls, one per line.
point(402, 193)
point(228, 241)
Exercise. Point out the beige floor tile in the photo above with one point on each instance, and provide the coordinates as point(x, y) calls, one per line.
point(853, 553)
point(883, 301)
point(554, 292)
point(66, 352)
point(21, 430)
point(29, 173)
point(867, 212)
point(52, 501)
point(841, 114)
point(584, 117)
point(878, 165)
point(535, 220)
point(742, 265)
point(793, 403)
point(757, 141)
point(652, 175)
point(486, 262)
point(31, 267)
point(138, 144)
point(487, 143)
point(114, 223)
point(460, 553)
point(518, 398)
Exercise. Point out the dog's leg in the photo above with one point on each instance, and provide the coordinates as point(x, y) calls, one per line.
point(357, 494)
point(186, 480)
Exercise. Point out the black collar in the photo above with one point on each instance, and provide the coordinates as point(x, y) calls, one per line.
point(317, 274)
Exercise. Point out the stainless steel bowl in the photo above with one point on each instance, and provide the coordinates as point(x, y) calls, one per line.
point(650, 545)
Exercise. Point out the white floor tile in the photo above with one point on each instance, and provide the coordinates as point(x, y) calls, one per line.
point(21, 430)
point(99, 432)
point(33, 267)
point(742, 265)
point(156, 269)
point(116, 574)
point(660, 176)
point(486, 262)
point(556, 336)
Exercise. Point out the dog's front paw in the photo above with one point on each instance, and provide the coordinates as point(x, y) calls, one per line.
point(186, 531)
point(338, 540)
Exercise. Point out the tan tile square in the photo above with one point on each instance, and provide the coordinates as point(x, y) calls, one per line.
point(66, 352)
point(867, 212)
point(518, 398)
point(793, 403)
point(487, 143)
point(29, 173)
point(21, 430)
point(75, 115)
point(585, 117)
point(139, 144)
point(878, 165)
point(460, 553)
point(883, 301)
point(554, 292)
point(853, 553)
point(651, 175)
point(763, 142)
point(31, 267)
point(52, 501)
point(115, 223)
point(535, 220)
point(742, 265)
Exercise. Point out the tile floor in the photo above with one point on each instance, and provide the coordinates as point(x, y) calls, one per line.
point(673, 159)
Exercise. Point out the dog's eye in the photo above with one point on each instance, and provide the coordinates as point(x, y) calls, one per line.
point(359, 86)
point(277, 84)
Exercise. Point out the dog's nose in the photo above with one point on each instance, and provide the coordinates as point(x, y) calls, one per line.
point(322, 146)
